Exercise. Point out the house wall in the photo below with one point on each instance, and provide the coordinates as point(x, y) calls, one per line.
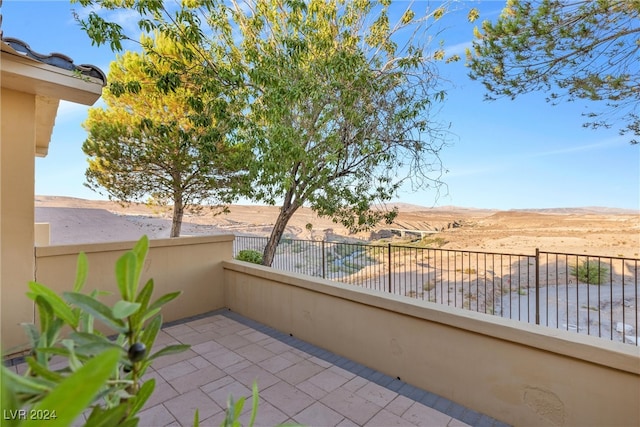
point(42, 234)
point(30, 94)
point(517, 373)
point(17, 151)
point(192, 265)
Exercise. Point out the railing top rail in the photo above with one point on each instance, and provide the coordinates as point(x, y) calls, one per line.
point(405, 246)
point(457, 250)
point(589, 256)
point(533, 292)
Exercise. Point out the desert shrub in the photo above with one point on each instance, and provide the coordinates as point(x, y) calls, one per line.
point(249, 255)
point(590, 272)
point(346, 249)
point(101, 373)
point(433, 242)
point(297, 246)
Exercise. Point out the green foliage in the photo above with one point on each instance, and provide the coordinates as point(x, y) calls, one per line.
point(249, 255)
point(425, 242)
point(345, 249)
point(339, 110)
point(429, 286)
point(234, 410)
point(336, 116)
point(590, 272)
point(433, 242)
point(573, 50)
point(101, 373)
point(156, 139)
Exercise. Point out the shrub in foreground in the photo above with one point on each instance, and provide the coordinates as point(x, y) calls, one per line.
point(249, 255)
point(590, 272)
point(100, 373)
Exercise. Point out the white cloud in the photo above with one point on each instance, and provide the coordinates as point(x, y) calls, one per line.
point(462, 171)
point(457, 49)
point(69, 110)
point(606, 143)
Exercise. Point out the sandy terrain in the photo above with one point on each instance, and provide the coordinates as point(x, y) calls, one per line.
point(484, 280)
point(581, 231)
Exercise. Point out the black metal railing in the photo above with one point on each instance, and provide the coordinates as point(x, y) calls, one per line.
point(590, 294)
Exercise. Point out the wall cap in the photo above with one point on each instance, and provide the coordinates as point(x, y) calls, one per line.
point(74, 249)
point(588, 349)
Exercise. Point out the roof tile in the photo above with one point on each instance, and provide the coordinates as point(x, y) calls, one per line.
point(55, 59)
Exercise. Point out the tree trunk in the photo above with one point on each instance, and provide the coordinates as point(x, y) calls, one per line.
point(176, 222)
point(276, 234)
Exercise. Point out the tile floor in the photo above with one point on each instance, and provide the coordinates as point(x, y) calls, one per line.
point(298, 382)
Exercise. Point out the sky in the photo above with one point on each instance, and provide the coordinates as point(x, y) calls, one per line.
point(504, 154)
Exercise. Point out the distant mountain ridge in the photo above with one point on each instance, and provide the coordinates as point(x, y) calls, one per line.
point(413, 208)
point(599, 210)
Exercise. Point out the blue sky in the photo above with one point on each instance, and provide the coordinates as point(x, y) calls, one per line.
point(502, 155)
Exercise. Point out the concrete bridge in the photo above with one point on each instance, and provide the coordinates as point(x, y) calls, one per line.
point(403, 231)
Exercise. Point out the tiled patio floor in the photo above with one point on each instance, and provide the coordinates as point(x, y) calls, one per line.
point(298, 382)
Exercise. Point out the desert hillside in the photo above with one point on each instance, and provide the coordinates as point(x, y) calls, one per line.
point(598, 231)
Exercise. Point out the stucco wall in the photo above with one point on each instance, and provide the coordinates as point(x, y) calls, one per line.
point(190, 264)
point(518, 373)
point(30, 94)
point(42, 234)
point(17, 151)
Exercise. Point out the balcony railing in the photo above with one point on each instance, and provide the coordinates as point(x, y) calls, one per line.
point(588, 294)
point(429, 346)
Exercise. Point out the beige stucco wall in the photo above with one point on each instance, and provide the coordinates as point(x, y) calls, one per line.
point(30, 94)
point(517, 373)
point(190, 264)
point(42, 234)
point(17, 151)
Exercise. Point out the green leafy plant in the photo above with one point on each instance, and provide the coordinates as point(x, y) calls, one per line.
point(590, 272)
point(101, 373)
point(428, 286)
point(249, 255)
point(234, 410)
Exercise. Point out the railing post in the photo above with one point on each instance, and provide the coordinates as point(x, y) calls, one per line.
point(323, 261)
point(537, 286)
point(389, 259)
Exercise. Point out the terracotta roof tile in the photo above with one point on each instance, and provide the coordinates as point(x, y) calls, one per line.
point(55, 59)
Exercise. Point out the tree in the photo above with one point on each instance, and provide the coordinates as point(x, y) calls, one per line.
point(338, 110)
point(145, 145)
point(573, 50)
point(337, 116)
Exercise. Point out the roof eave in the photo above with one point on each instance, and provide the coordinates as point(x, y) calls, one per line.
point(26, 75)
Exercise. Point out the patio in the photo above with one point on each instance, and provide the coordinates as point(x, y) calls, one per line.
point(402, 362)
point(298, 382)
